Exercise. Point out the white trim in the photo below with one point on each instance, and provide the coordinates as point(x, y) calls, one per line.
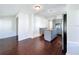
point(30, 37)
point(77, 43)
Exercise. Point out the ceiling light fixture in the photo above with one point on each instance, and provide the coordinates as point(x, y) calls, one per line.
point(37, 7)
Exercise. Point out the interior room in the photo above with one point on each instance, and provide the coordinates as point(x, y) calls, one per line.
point(39, 29)
point(32, 29)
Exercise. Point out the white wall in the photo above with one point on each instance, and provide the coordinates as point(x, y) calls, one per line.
point(29, 24)
point(50, 26)
point(23, 26)
point(7, 26)
point(73, 23)
point(39, 22)
point(72, 28)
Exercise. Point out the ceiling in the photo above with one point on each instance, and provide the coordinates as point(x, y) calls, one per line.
point(47, 10)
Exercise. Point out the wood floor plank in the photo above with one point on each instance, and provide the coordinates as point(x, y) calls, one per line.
point(38, 46)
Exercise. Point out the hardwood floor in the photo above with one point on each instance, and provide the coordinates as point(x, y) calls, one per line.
point(8, 46)
point(38, 46)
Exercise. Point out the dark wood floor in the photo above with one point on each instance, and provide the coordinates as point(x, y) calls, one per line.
point(8, 46)
point(38, 46)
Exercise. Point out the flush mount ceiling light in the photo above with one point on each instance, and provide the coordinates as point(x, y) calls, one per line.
point(37, 7)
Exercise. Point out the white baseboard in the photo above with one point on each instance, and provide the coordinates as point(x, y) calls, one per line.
point(72, 42)
point(34, 36)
